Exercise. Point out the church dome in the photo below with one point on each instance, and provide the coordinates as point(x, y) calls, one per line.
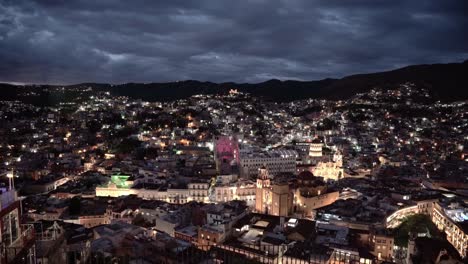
point(306, 176)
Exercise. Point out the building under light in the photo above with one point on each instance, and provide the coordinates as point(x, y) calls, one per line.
point(276, 162)
point(453, 220)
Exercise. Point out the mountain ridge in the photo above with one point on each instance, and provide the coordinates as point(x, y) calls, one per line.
point(447, 82)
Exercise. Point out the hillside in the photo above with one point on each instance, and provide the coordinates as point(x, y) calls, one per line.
point(446, 82)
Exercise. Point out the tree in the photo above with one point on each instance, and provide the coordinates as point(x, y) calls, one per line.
point(139, 220)
point(128, 145)
point(94, 126)
point(417, 223)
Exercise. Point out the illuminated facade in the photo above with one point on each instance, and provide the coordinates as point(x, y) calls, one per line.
point(311, 193)
point(243, 191)
point(281, 199)
point(316, 147)
point(198, 191)
point(421, 207)
point(262, 196)
point(121, 185)
point(275, 162)
point(397, 217)
point(273, 199)
point(454, 222)
point(226, 154)
point(331, 170)
point(382, 246)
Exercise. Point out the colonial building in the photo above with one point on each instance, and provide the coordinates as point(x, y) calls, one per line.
point(122, 185)
point(316, 147)
point(262, 193)
point(330, 170)
point(226, 150)
point(274, 198)
point(243, 190)
point(282, 161)
point(453, 220)
point(382, 244)
point(311, 193)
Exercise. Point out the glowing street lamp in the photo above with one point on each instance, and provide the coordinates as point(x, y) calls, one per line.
point(11, 180)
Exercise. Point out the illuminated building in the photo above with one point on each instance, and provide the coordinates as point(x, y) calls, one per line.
point(241, 190)
point(330, 170)
point(382, 245)
point(312, 193)
point(272, 198)
point(198, 191)
point(453, 220)
point(226, 154)
point(281, 199)
point(122, 185)
point(397, 217)
point(316, 147)
point(421, 207)
point(119, 185)
point(275, 162)
point(262, 196)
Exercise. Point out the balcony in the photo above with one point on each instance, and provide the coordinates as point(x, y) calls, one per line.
point(216, 254)
point(18, 251)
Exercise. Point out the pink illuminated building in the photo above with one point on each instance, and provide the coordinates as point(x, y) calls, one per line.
point(226, 154)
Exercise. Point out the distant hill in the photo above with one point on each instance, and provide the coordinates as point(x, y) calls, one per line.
point(447, 82)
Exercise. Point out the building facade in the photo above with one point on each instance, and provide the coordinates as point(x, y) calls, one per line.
point(382, 245)
point(330, 170)
point(226, 150)
point(453, 221)
point(311, 193)
point(272, 198)
point(275, 161)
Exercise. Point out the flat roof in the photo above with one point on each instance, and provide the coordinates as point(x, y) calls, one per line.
point(262, 223)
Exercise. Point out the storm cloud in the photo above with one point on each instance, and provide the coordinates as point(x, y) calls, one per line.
point(118, 41)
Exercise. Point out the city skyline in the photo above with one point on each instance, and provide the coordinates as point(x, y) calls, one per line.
point(258, 131)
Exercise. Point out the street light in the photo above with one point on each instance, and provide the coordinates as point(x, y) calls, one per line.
point(11, 180)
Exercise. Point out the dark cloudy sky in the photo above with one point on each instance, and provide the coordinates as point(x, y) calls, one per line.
point(67, 41)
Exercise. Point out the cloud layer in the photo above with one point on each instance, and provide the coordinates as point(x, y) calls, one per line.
point(117, 41)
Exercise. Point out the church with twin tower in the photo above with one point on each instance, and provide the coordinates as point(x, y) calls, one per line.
point(272, 198)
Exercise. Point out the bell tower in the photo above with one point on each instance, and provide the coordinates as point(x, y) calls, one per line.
point(262, 195)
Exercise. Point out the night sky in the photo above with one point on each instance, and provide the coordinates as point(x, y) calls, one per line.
point(66, 41)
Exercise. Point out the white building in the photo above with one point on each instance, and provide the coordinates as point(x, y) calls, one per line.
point(316, 147)
point(242, 190)
point(198, 191)
point(121, 186)
point(453, 220)
point(278, 161)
